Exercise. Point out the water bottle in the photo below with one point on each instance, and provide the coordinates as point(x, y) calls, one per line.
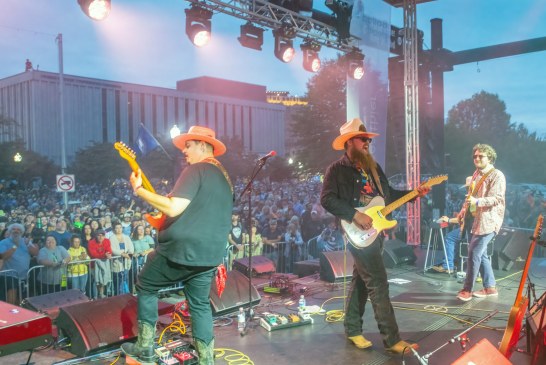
point(301, 304)
point(241, 320)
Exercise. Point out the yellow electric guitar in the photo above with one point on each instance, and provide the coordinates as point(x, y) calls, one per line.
point(129, 155)
point(377, 210)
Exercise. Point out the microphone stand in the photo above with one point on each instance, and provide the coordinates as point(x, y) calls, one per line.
point(461, 337)
point(248, 189)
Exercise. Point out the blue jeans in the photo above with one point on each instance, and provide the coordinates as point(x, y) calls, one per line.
point(159, 273)
point(370, 280)
point(78, 282)
point(451, 240)
point(479, 261)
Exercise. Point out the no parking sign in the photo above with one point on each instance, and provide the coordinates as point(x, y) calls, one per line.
point(66, 183)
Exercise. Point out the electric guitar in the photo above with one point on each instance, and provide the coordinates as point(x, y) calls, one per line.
point(517, 313)
point(129, 155)
point(469, 207)
point(377, 210)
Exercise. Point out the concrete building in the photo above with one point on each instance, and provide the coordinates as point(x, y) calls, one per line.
point(109, 111)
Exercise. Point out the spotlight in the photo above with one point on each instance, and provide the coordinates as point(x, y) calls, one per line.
point(284, 49)
point(355, 64)
point(251, 36)
point(198, 25)
point(311, 61)
point(95, 9)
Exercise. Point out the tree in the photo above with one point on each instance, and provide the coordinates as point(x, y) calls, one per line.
point(317, 124)
point(100, 163)
point(31, 164)
point(483, 119)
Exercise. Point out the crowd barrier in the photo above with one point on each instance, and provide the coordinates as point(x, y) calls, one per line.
point(115, 276)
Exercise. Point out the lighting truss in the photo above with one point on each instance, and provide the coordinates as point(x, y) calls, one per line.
point(273, 17)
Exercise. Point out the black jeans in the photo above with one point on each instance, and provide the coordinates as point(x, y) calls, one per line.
point(159, 273)
point(370, 280)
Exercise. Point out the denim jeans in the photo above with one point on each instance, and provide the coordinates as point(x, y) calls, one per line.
point(78, 282)
point(451, 240)
point(479, 261)
point(159, 273)
point(370, 280)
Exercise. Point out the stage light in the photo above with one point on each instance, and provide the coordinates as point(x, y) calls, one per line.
point(284, 49)
point(355, 64)
point(251, 36)
point(198, 25)
point(311, 60)
point(95, 9)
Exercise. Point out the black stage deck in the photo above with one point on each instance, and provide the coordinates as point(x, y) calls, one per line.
point(426, 309)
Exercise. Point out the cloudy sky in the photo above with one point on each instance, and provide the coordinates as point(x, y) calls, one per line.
point(144, 42)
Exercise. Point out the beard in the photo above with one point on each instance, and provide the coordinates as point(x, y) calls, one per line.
point(362, 158)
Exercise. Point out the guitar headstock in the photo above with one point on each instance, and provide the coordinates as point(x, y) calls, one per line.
point(435, 180)
point(125, 151)
point(538, 228)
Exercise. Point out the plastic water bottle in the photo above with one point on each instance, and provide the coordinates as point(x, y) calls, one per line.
point(301, 304)
point(241, 320)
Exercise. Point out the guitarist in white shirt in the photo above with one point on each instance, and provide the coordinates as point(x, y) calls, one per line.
point(349, 183)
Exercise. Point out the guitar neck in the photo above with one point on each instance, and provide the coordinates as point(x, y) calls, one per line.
point(399, 202)
point(525, 272)
point(145, 182)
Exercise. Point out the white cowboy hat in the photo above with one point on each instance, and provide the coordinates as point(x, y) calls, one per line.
point(351, 129)
point(199, 133)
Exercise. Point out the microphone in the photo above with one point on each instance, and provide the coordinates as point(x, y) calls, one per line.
point(264, 158)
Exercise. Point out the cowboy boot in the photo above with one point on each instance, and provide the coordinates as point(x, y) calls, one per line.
point(143, 349)
point(205, 352)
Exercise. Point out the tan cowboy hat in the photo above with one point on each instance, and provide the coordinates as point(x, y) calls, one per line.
point(351, 129)
point(199, 133)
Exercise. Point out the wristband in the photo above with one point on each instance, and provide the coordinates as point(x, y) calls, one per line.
point(136, 189)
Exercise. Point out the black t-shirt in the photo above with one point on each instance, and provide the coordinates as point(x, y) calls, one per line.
point(197, 237)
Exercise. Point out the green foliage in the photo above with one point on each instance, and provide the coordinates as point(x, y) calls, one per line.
point(30, 166)
point(317, 124)
point(483, 119)
point(100, 163)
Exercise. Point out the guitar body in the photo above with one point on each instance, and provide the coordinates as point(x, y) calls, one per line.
point(156, 220)
point(360, 238)
point(513, 328)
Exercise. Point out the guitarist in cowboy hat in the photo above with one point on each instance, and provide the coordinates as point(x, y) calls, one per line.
point(352, 182)
point(191, 241)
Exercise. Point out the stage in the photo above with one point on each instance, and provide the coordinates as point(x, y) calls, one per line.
point(426, 309)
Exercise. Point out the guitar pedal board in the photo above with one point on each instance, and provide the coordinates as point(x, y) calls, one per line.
point(177, 352)
point(273, 322)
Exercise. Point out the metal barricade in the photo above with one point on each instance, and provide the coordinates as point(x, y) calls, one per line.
point(11, 287)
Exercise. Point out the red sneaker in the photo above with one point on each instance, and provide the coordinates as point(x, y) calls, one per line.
point(486, 292)
point(464, 295)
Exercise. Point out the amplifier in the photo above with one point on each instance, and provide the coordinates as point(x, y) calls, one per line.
point(22, 329)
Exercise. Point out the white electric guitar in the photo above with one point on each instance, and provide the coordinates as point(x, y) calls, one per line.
point(377, 210)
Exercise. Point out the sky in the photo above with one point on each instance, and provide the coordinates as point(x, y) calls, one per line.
point(144, 42)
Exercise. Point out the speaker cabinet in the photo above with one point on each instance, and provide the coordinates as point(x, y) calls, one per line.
point(50, 304)
point(537, 333)
point(235, 295)
point(260, 265)
point(332, 267)
point(396, 252)
point(511, 247)
point(482, 353)
point(100, 324)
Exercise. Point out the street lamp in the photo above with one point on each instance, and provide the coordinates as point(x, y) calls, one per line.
point(17, 157)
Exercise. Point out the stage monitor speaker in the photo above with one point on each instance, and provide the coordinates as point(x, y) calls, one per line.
point(511, 247)
point(396, 252)
point(49, 304)
point(332, 267)
point(482, 353)
point(94, 326)
point(260, 265)
point(235, 295)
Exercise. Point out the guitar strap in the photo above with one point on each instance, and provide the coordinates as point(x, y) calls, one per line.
point(480, 182)
point(217, 163)
point(377, 181)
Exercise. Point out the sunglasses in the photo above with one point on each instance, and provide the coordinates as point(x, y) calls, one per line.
point(364, 139)
point(479, 156)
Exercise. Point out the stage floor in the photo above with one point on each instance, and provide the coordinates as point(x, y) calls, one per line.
point(426, 309)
